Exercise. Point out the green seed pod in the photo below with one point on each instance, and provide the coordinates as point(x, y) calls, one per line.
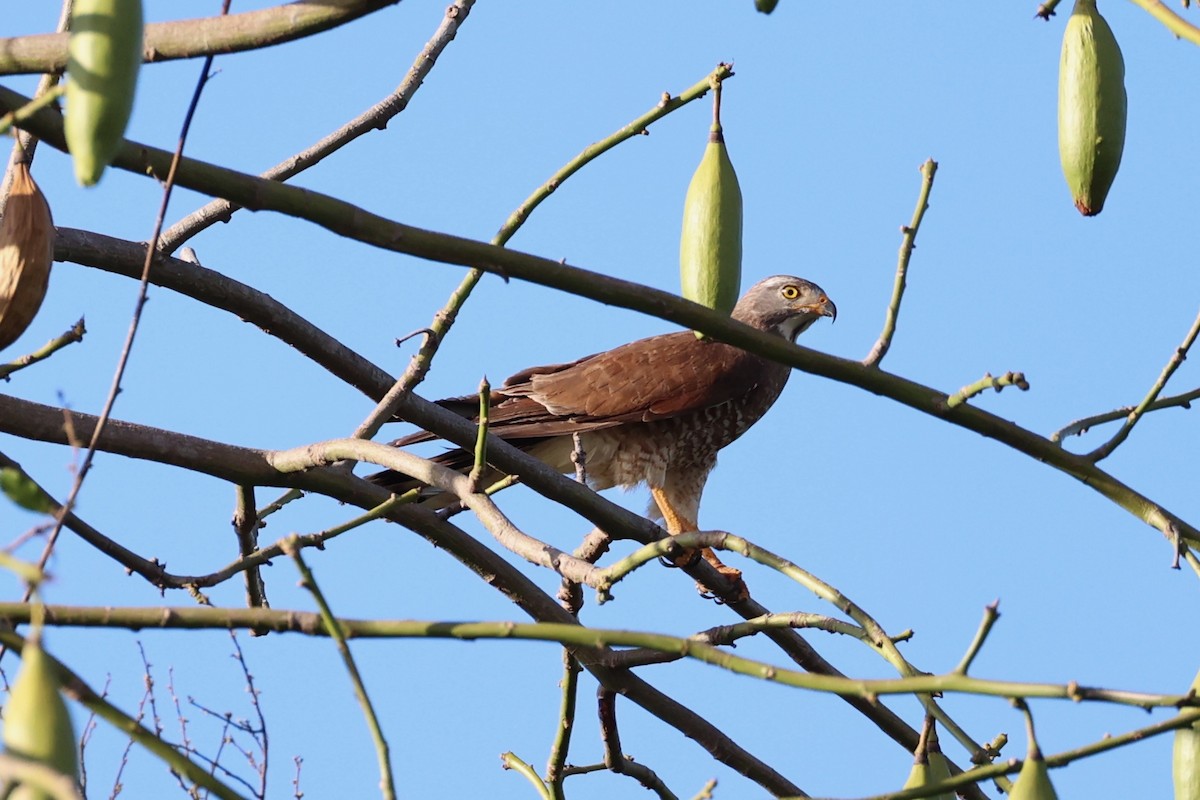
point(710, 247)
point(918, 775)
point(1185, 761)
point(26, 251)
point(37, 724)
point(939, 767)
point(1033, 782)
point(1091, 107)
point(766, 6)
point(103, 57)
point(929, 765)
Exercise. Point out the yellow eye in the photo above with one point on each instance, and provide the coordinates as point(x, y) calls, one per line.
point(790, 292)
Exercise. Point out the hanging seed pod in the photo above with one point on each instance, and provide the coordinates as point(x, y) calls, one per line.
point(37, 725)
point(1185, 758)
point(939, 767)
point(104, 54)
point(1091, 107)
point(1033, 782)
point(26, 250)
point(710, 246)
point(766, 6)
point(929, 765)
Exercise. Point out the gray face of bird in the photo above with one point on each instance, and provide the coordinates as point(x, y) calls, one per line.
point(785, 304)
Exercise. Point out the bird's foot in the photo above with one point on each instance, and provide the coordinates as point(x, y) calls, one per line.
point(735, 594)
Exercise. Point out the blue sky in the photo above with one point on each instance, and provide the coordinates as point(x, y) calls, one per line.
point(832, 110)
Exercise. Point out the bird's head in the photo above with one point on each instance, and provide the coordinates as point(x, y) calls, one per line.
point(784, 304)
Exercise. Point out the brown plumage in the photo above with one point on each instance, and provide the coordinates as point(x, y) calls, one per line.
point(655, 411)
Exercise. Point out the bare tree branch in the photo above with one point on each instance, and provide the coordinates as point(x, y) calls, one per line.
point(194, 38)
point(374, 118)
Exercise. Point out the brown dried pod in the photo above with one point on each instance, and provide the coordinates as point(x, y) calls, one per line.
point(26, 251)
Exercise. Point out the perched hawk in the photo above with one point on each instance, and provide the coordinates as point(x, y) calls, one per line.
point(655, 411)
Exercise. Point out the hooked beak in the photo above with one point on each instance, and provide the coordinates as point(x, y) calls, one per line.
point(824, 307)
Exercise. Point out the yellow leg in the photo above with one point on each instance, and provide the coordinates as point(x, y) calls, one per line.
point(677, 523)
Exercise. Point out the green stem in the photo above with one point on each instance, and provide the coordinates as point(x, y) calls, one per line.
point(333, 628)
point(907, 243)
point(16, 116)
point(1046, 10)
point(1173, 363)
point(566, 724)
point(964, 394)
point(75, 334)
point(511, 761)
point(485, 404)
point(991, 613)
point(314, 624)
point(1172, 21)
point(635, 128)
point(1081, 426)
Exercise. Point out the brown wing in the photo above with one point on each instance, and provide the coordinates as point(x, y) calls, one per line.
point(650, 379)
point(655, 378)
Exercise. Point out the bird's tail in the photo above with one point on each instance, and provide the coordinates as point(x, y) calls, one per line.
point(457, 459)
point(398, 482)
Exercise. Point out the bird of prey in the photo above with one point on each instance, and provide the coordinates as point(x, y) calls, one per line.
point(655, 411)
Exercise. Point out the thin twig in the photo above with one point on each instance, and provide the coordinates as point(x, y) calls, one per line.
point(134, 323)
point(569, 686)
point(510, 760)
point(260, 733)
point(991, 613)
point(964, 394)
point(74, 334)
point(278, 504)
point(1170, 20)
point(74, 686)
point(246, 526)
point(19, 115)
point(1173, 363)
point(610, 734)
point(374, 118)
point(907, 243)
point(1082, 426)
point(333, 628)
point(485, 404)
point(1046, 10)
point(579, 458)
